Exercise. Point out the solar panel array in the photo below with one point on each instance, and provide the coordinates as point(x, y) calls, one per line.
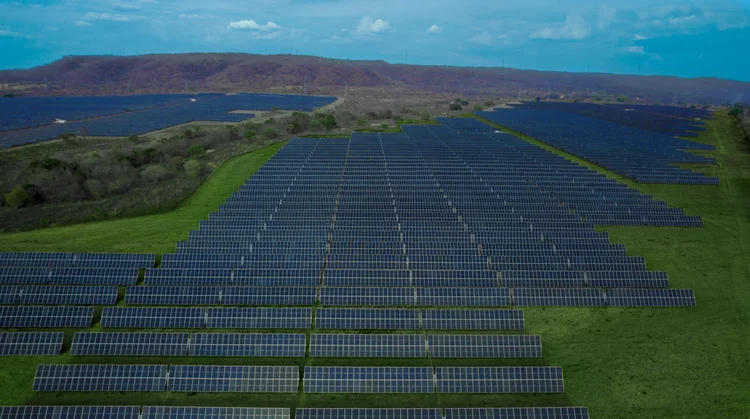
point(31, 343)
point(430, 229)
point(669, 120)
point(368, 380)
point(189, 412)
point(643, 156)
point(122, 116)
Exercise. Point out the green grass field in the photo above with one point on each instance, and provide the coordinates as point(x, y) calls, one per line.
point(621, 363)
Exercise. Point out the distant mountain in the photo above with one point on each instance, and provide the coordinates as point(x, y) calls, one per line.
point(286, 73)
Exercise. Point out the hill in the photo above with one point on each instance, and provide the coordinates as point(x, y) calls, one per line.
point(164, 73)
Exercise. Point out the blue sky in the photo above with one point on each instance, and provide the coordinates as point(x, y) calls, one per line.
point(687, 39)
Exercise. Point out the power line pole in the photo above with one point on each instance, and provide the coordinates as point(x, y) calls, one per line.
point(346, 90)
point(548, 88)
point(304, 88)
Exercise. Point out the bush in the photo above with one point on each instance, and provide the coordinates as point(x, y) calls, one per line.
point(736, 111)
point(384, 126)
point(193, 168)
point(67, 136)
point(269, 134)
point(17, 198)
point(154, 173)
point(196, 150)
point(455, 106)
point(623, 99)
point(478, 107)
point(133, 139)
point(95, 188)
point(249, 135)
point(50, 163)
point(326, 120)
point(465, 103)
point(275, 109)
point(489, 103)
point(361, 122)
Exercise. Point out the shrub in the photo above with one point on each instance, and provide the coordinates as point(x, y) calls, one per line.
point(193, 168)
point(465, 103)
point(133, 139)
point(455, 106)
point(489, 103)
point(736, 111)
point(95, 188)
point(361, 122)
point(17, 198)
point(269, 134)
point(623, 99)
point(384, 126)
point(326, 120)
point(50, 163)
point(275, 109)
point(154, 173)
point(478, 107)
point(84, 132)
point(249, 134)
point(67, 136)
point(196, 150)
point(9, 95)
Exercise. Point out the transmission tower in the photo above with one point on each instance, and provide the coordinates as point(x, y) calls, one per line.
point(304, 88)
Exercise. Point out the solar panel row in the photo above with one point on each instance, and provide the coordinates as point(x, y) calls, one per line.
point(186, 412)
point(285, 379)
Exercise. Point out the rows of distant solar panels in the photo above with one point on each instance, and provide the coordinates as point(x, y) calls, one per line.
point(668, 120)
point(377, 255)
point(273, 345)
point(146, 119)
point(643, 156)
point(190, 412)
point(535, 185)
point(286, 379)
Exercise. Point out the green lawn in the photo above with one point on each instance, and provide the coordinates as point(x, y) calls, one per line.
point(621, 363)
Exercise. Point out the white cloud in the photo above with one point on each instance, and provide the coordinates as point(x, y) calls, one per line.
point(82, 23)
point(636, 49)
point(251, 25)
point(606, 16)
point(194, 16)
point(106, 17)
point(124, 7)
point(10, 34)
point(434, 29)
point(484, 38)
point(682, 20)
point(638, 37)
point(574, 29)
point(367, 25)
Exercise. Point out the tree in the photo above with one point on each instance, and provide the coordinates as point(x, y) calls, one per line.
point(133, 139)
point(538, 99)
point(154, 173)
point(196, 151)
point(17, 198)
point(269, 134)
point(249, 134)
point(84, 132)
point(623, 99)
point(193, 168)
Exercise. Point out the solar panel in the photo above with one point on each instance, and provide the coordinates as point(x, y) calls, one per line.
point(368, 346)
point(650, 298)
point(499, 379)
point(248, 344)
point(9, 294)
point(367, 296)
point(472, 319)
point(234, 379)
point(154, 317)
point(407, 413)
point(259, 318)
point(173, 296)
point(454, 296)
point(100, 378)
point(368, 380)
point(31, 343)
point(181, 412)
point(33, 316)
point(269, 296)
point(72, 295)
point(559, 297)
point(485, 346)
point(357, 318)
point(69, 412)
point(129, 344)
point(518, 413)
